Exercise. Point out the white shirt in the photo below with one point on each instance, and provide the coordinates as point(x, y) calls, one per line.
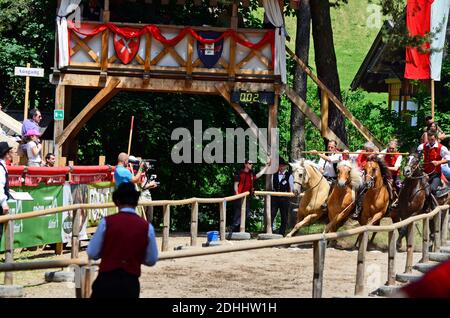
point(31, 157)
point(328, 166)
point(3, 197)
point(445, 154)
point(398, 162)
point(281, 177)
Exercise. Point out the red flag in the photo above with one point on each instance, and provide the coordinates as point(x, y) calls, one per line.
point(418, 15)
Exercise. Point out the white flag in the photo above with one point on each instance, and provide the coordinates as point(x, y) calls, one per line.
point(439, 19)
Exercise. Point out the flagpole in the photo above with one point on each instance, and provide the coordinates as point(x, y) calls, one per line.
point(432, 99)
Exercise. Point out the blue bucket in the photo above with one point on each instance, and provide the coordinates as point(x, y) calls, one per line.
point(213, 236)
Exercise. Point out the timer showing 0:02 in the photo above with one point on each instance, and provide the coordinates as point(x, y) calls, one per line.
point(249, 97)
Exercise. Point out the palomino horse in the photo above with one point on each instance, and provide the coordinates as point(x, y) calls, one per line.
point(316, 191)
point(342, 199)
point(414, 197)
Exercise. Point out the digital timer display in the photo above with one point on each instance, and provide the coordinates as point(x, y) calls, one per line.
point(243, 97)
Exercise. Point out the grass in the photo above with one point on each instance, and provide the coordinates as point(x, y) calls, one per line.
point(352, 40)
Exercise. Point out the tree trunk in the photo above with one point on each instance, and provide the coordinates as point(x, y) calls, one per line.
point(300, 80)
point(326, 61)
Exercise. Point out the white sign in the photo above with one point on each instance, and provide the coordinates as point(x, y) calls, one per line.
point(209, 49)
point(32, 72)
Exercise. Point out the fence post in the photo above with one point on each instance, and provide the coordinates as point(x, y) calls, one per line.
point(425, 240)
point(75, 234)
point(166, 229)
point(86, 281)
point(268, 214)
point(444, 231)
point(194, 223)
point(319, 261)
point(361, 265)
point(9, 250)
point(243, 213)
point(223, 217)
point(410, 249)
point(437, 232)
point(391, 257)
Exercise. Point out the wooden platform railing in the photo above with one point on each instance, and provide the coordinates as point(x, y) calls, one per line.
point(318, 240)
point(94, 52)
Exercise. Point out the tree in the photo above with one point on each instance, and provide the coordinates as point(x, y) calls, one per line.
point(326, 64)
point(300, 78)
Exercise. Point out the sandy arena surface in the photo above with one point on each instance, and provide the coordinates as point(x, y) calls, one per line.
point(264, 273)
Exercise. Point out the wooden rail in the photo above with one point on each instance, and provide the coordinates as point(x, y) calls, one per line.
point(318, 240)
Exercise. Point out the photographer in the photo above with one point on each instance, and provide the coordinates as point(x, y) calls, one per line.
point(122, 174)
point(148, 182)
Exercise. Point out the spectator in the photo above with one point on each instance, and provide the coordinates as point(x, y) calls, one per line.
point(123, 241)
point(243, 182)
point(33, 122)
point(34, 148)
point(282, 181)
point(122, 174)
point(50, 160)
point(5, 155)
point(431, 125)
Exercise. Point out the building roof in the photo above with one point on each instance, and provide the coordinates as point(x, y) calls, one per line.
point(381, 63)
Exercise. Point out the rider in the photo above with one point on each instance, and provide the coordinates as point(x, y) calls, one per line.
point(361, 159)
point(328, 162)
point(435, 155)
point(393, 163)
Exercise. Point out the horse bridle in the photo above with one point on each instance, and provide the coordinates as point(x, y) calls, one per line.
point(309, 189)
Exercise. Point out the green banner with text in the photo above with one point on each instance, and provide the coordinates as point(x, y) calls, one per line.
point(37, 230)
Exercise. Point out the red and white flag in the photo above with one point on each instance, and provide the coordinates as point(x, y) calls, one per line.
point(423, 16)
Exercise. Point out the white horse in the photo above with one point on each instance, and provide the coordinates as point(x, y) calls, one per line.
point(316, 189)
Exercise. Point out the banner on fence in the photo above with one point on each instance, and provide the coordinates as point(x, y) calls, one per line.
point(100, 193)
point(73, 194)
point(38, 230)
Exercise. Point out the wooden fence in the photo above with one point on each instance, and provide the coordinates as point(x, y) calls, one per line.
point(318, 240)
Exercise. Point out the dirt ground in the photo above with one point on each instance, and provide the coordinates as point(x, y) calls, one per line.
point(265, 273)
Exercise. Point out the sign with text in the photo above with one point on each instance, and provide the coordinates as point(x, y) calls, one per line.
point(31, 72)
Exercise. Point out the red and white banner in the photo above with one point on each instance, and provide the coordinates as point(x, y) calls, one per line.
point(423, 16)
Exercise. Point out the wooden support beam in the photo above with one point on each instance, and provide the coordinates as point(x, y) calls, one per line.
point(60, 101)
point(9, 249)
point(223, 219)
point(391, 258)
point(361, 265)
point(194, 223)
point(324, 106)
point(355, 122)
point(190, 51)
point(166, 228)
point(105, 50)
point(425, 240)
point(94, 105)
point(85, 47)
point(319, 263)
point(308, 112)
point(243, 213)
point(268, 210)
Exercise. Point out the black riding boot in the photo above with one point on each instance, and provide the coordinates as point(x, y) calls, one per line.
point(358, 206)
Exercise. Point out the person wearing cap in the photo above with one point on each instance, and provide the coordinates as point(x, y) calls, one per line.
point(122, 174)
point(123, 241)
point(34, 148)
point(282, 181)
point(5, 155)
point(244, 182)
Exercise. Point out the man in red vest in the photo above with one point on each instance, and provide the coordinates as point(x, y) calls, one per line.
point(434, 155)
point(123, 241)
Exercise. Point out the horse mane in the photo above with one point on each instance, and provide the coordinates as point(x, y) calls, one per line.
point(385, 173)
point(355, 176)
